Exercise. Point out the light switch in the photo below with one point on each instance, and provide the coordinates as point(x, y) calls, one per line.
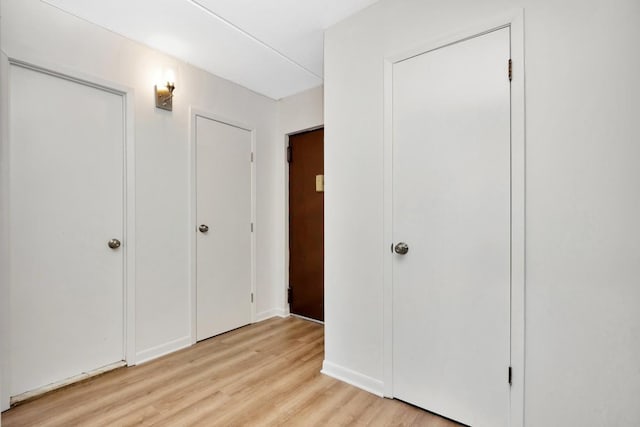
point(319, 183)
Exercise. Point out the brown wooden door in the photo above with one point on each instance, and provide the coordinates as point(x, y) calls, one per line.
point(306, 225)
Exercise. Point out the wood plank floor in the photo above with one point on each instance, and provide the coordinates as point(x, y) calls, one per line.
point(266, 374)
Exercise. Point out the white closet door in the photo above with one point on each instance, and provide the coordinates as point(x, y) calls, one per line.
point(223, 289)
point(451, 206)
point(66, 203)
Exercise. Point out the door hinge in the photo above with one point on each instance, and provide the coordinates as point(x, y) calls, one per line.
point(251, 296)
point(289, 154)
point(252, 227)
point(509, 375)
point(252, 157)
point(289, 295)
point(510, 70)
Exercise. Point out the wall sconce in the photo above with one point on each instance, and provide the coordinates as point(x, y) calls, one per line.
point(164, 96)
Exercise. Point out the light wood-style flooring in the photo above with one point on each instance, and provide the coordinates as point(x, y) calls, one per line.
point(266, 374)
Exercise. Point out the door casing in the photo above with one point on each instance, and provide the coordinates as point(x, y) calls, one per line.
point(127, 93)
point(195, 112)
point(514, 21)
point(286, 253)
point(288, 216)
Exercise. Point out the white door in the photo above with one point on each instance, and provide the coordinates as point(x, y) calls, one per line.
point(66, 203)
point(451, 206)
point(223, 186)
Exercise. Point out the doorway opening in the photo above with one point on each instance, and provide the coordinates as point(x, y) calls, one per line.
point(305, 156)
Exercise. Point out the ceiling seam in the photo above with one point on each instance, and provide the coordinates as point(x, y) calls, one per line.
point(252, 37)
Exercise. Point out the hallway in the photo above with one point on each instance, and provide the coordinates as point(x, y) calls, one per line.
point(264, 374)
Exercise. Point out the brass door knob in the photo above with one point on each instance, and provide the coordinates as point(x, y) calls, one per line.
point(114, 243)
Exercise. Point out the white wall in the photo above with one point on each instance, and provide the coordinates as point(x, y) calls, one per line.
point(301, 112)
point(583, 196)
point(35, 31)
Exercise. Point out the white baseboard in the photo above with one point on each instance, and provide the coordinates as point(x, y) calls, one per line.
point(268, 314)
point(352, 377)
point(180, 343)
point(65, 382)
point(163, 349)
point(308, 319)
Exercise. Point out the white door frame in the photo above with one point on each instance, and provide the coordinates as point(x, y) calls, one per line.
point(128, 246)
point(194, 113)
point(514, 21)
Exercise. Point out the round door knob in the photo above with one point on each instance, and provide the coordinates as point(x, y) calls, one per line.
point(114, 243)
point(203, 228)
point(401, 248)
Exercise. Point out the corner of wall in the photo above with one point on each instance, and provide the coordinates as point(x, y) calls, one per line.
point(268, 314)
point(4, 234)
point(354, 378)
point(163, 349)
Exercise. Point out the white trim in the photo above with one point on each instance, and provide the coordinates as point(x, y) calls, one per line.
point(286, 249)
point(387, 232)
point(191, 229)
point(128, 238)
point(66, 73)
point(515, 21)
point(4, 233)
point(254, 204)
point(354, 378)
point(518, 213)
point(308, 319)
point(129, 245)
point(67, 381)
point(195, 112)
point(268, 314)
point(163, 349)
point(305, 130)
